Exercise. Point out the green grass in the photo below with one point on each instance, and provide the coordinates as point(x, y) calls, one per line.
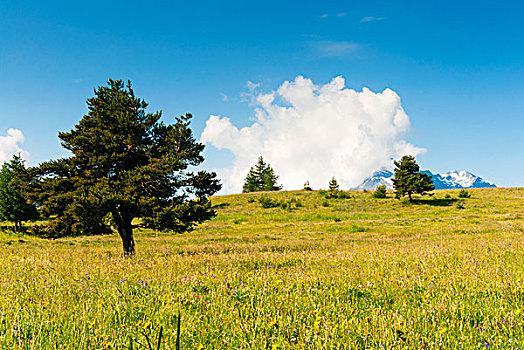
point(359, 273)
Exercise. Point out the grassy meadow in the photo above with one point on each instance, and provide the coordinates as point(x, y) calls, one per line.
point(315, 273)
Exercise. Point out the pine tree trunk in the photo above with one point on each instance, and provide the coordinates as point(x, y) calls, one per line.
point(409, 195)
point(125, 230)
point(127, 239)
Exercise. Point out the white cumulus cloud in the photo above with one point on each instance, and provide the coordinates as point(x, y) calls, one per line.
point(314, 132)
point(10, 144)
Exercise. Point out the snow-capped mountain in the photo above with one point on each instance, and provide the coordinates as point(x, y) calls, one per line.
point(458, 179)
point(381, 177)
point(443, 181)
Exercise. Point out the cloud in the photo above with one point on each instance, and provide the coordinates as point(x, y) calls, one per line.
point(340, 14)
point(371, 19)
point(329, 48)
point(224, 97)
point(9, 145)
point(252, 86)
point(313, 132)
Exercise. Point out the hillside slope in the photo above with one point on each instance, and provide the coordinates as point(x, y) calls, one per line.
point(241, 218)
point(314, 273)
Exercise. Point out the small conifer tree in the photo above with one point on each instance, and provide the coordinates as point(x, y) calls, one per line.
point(261, 177)
point(333, 185)
point(14, 204)
point(334, 191)
point(307, 187)
point(380, 192)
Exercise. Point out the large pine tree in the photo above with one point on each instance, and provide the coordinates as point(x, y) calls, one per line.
point(125, 164)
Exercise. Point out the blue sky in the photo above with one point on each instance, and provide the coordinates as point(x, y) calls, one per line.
point(457, 66)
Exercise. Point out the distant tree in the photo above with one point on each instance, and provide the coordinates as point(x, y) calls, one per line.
point(380, 192)
point(334, 191)
point(261, 178)
point(14, 204)
point(408, 180)
point(125, 164)
point(333, 185)
point(307, 187)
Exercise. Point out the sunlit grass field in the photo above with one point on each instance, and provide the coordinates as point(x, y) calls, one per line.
point(324, 274)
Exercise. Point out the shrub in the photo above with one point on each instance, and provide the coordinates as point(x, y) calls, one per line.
point(464, 194)
point(447, 196)
point(336, 194)
point(290, 204)
point(267, 202)
point(380, 192)
point(298, 203)
point(460, 205)
point(286, 204)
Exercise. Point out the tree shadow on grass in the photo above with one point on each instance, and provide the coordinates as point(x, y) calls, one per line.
point(220, 206)
point(437, 202)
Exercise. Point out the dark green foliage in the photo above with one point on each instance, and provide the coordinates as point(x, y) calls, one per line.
point(307, 187)
point(128, 164)
point(179, 218)
point(269, 180)
point(286, 204)
point(333, 185)
point(252, 182)
point(334, 192)
point(337, 194)
point(261, 178)
point(268, 202)
point(380, 192)
point(14, 204)
point(408, 180)
point(460, 204)
point(290, 204)
point(464, 194)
